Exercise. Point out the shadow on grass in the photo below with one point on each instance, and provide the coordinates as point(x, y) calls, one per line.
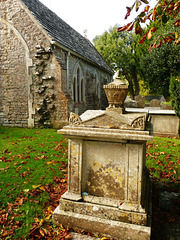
point(165, 212)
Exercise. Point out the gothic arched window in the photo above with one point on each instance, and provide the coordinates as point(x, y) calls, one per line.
point(78, 82)
point(78, 85)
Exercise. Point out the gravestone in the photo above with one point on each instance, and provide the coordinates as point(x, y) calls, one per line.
point(108, 183)
point(140, 101)
point(155, 103)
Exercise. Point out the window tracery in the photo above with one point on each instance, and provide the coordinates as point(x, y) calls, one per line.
point(78, 85)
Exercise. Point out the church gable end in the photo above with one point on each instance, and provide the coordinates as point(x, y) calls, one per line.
point(43, 77)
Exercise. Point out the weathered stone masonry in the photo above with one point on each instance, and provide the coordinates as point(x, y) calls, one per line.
point(41, 80)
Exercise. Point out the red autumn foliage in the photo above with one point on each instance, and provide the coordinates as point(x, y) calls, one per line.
point(160, 13)
point(128, 12)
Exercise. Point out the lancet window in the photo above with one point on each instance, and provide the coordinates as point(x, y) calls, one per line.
point(78, 85)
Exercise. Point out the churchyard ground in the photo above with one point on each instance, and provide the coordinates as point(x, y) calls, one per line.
point(33, 176)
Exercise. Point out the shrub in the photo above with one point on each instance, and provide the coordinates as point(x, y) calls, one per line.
point(174, 90)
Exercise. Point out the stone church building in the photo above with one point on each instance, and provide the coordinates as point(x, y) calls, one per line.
point(47, 69)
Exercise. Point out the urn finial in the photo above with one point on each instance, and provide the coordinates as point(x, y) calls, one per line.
point(116, 93)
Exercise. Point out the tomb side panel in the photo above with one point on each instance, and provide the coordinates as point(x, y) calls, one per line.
point(103, 173)
point(74, 166)
point(165, 125)
point(136, 164)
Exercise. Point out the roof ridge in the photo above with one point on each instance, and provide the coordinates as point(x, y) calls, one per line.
point(64, 34)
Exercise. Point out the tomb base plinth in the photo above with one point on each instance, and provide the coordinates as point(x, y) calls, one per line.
point(106, 227)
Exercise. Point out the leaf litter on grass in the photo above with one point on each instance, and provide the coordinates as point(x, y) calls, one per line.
point(30, 160)
point(163, 160)
point(33, 176)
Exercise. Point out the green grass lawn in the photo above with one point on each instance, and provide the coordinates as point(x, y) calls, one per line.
point(33, 176)
point(163, 160)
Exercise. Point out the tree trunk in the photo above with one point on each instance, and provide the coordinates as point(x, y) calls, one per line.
point(135, 80)
point(131, 89)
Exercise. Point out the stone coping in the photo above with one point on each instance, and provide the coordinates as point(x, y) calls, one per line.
point(95, 113)
point(151, 111)
point(91, 114)
point(162, 112)
point(105, 134)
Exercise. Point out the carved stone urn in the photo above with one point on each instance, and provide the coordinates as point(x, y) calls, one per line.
point(116, 93)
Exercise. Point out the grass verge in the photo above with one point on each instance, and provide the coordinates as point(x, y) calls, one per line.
point(33, 176)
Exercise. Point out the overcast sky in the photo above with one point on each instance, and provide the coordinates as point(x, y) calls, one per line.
point(96, 16)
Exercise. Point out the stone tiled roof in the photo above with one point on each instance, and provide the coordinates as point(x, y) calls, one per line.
point(64, 34)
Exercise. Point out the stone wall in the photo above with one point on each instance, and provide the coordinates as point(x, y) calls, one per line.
point(37, 76)
point(31, 77)
point(13, 84)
